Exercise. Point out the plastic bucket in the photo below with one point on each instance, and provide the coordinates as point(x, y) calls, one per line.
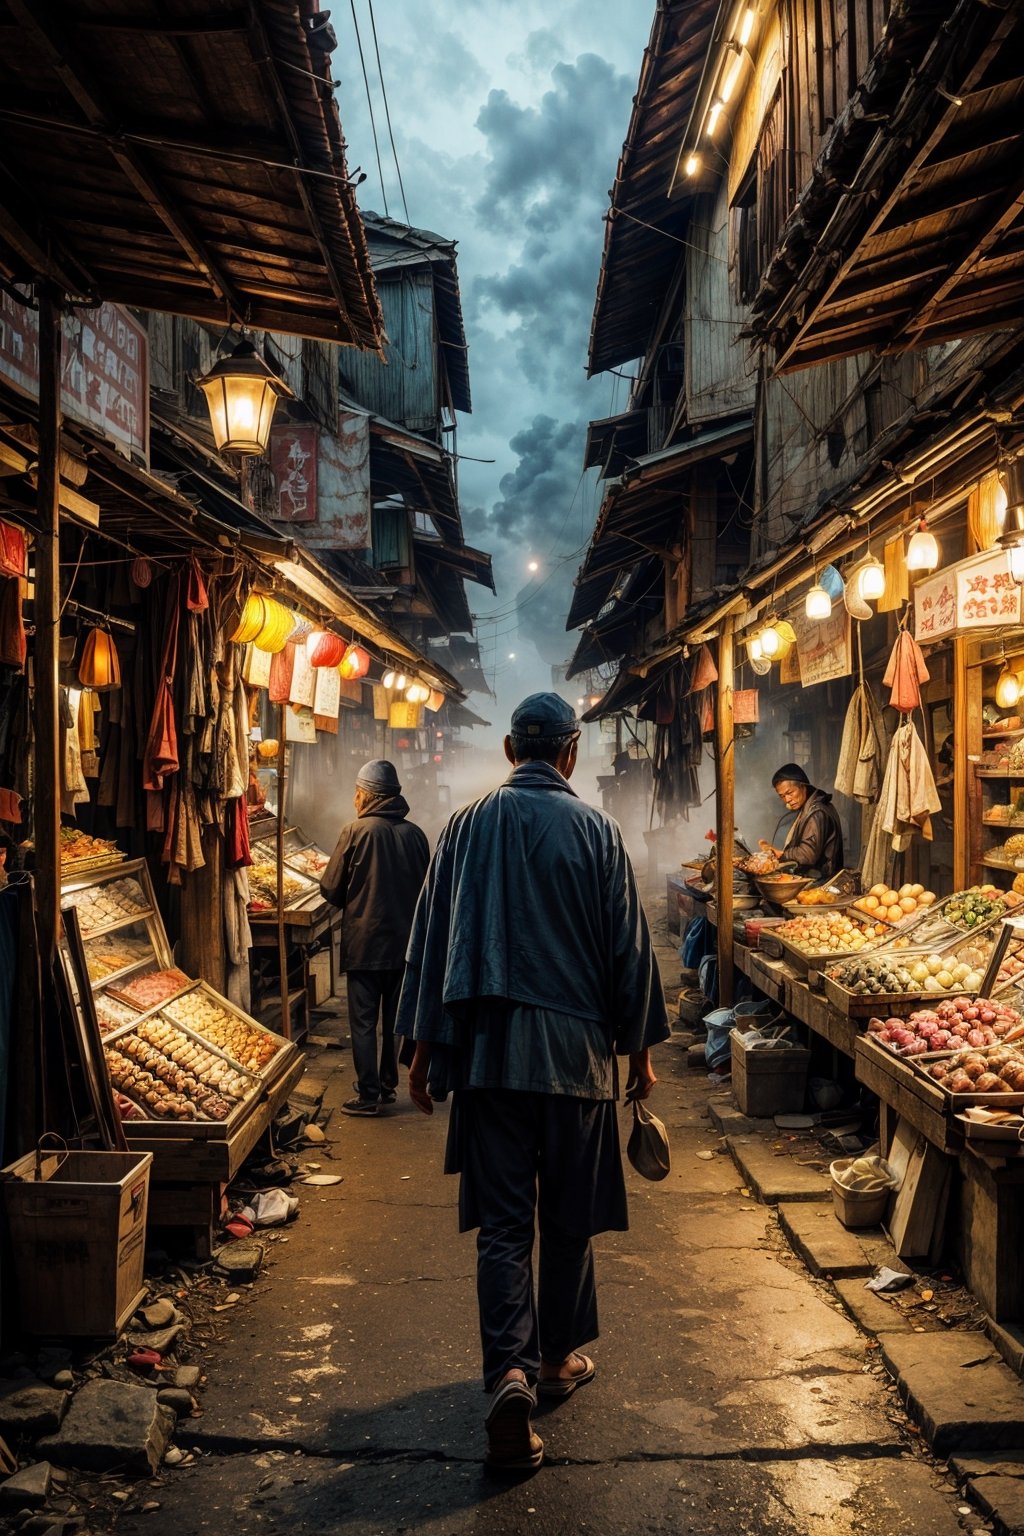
point(858, 1207)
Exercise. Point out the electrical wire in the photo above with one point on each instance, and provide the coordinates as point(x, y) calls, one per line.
point(387, 110)
point(369, 104)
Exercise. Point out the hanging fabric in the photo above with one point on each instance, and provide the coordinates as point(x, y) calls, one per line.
point(897, 577)
point(862, 751)
point(905, 673)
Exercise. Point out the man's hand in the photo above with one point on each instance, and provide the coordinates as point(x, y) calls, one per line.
point(641, 1078)
point(418, 1078)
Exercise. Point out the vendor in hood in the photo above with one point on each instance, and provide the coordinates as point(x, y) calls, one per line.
point(814, 845)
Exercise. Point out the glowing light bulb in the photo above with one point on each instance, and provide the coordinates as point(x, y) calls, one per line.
point(872, 580)
point(746, 27)
point(731, 77)
point(817, 603)
point(771, 642)
point(755, 648)
point(1007, 688)
point(923, 549)
point(713, 116)
point(692, 165)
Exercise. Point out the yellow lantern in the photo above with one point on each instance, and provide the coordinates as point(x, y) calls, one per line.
point(1007, 687)
point(252, 621)
point(278, 624)
point(100, 666)
point(241, 396)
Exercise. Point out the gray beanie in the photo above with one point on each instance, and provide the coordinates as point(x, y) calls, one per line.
point(379, 777)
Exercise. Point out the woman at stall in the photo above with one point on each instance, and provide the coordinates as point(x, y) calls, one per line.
point(814, 845)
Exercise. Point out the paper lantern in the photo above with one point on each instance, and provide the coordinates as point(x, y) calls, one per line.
point(354, 664)
point(771, 642)
point(100, 666)
point(417, 693)
point(254, 616)
point(1007, 688)
point(435, 701)
point(142, 572)
point(817, 603)
point(871, 583)
point(923, 549)
point(278, 624)
point(324, 648)
point(395, 680)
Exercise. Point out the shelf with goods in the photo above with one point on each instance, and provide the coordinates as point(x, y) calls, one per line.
point(997, 834)
point(192, 1078)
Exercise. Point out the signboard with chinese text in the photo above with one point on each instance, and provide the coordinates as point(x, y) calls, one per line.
point(104, 369)
point(986, 593)
point(343, 485)
point(293, 455)
point(935, 605)
point(823, 646)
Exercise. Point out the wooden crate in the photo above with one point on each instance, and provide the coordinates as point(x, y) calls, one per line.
point(78, 1235)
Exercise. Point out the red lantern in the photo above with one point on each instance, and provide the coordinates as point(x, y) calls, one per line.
point(324, 649)
point(355, 663)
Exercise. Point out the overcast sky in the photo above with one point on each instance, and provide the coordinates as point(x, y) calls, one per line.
point(508, 117)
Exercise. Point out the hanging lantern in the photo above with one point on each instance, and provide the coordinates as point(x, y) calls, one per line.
point(871, 583)
point(277, 628)
point(435, 701)
point(923, 549)
point(394, 679)
point(253, 618)
point(754, 647)
point(817, 603)
point(354, 664)
point(100, 666)
point(141, 572)
point(417, 693)
point(771, 641)
point(1015, 560)
point(241, 396)
point(1008, 689)
point(787, 638)
point(324, 648)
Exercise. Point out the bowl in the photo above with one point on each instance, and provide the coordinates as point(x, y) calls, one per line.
point(780, 888)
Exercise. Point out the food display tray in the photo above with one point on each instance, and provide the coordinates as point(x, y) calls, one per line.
point(71, 868)
point(958, 1101)
point(855, 1005)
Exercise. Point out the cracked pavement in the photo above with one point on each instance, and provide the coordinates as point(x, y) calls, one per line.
point(733, 1394)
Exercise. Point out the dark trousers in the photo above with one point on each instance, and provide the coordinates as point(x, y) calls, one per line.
point(526, 1157)
point(373, 993)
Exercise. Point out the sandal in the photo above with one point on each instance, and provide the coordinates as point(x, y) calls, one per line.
point(512, 1445)
point(565, 1386)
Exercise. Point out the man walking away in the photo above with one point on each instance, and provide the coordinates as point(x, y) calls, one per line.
point(530, 969)
point(375, 875)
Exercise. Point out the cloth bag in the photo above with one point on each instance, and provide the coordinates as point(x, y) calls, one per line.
point(648, 1149)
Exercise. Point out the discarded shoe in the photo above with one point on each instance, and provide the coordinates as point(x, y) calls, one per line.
point(565, 1386)
point(512, 1445)
point(360, 1107)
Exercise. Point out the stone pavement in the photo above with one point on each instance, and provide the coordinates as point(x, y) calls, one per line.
point(734, 1392)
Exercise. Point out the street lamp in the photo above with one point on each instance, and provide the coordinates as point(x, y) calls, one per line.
point(241, 396)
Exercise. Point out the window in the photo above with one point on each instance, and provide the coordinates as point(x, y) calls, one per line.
point(748, 265)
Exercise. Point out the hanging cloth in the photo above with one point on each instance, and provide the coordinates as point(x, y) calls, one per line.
point(862, 752)
point(908, 798)
point(160, 757)
point(905, 673)
point(897, 577)
point(13, 644)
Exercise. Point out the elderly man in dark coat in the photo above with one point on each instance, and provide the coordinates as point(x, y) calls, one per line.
point(530, 969)
point(375, 875)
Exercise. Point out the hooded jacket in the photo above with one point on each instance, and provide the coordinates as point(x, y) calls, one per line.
point(815, 839)
point(375, 875)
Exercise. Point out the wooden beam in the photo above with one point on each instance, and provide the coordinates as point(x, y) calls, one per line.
point(46, 712)
point(725, 809)
point(131, 161)
point(42, 254)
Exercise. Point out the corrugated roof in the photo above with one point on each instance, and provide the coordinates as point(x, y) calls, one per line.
point(395, 248)
point(185, 156)
point(643, 227)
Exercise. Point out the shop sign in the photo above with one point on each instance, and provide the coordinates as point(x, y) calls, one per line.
point(104, 369)
point(299, 725)
point(823, 647)
point(343, 485)
point(293, 454)
point(986, 593)
point(935, 605)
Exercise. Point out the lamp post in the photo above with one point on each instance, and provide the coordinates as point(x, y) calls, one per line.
point(241, 396)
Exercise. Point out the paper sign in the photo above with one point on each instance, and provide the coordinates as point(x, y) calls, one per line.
point(256, 667)
point(823, 646)
point(935, 605)
point(986, 593)
point(746, 706)
point(405, 717)
point(326, 691)
point(303, 683)
point(299, 725)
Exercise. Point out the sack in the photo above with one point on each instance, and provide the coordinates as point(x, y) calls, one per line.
point(648, 1149)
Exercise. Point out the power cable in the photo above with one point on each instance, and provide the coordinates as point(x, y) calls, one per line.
point(369, 103)
point(387, 110)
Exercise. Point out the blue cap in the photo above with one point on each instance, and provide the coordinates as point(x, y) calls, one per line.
point(546, 715)
point(379, 776)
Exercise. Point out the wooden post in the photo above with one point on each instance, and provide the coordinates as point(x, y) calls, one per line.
point(282, 942)
point(961, 767)
point(46, 603)
point(725, 798)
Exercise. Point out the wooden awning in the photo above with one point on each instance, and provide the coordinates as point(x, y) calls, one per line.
point(911, 231)
point(185, 156)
